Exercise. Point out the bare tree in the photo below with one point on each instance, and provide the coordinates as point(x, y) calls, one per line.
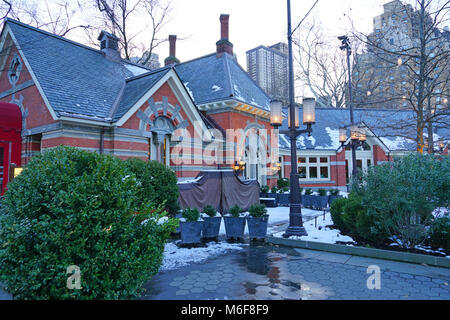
point(411, 51)
point(118, 15)
point(54, 16)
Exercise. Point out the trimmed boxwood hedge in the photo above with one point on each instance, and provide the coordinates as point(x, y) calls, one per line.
point(72, 207)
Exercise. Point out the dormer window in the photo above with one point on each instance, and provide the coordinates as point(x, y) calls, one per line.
point(14, 70)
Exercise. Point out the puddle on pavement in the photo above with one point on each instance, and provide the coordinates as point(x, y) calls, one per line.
point(258, 275)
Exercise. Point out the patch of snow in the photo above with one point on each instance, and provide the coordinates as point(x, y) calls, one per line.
point(175, 257)
point(321, 233)
point(312, 139)
point(441, 212)
point(135, 70)
point(399, 143)
point(216, 88)
point(189, 90)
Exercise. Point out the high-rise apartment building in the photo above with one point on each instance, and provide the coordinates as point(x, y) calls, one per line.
point(268, 66)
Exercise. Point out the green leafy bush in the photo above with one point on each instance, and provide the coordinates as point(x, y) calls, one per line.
point(71, 207)
point(283, 183)
point(191, 214)
point(440, 233)
point(322, 192)
point(402, 195)
point(274, 189)
point(210, 211)
point(157, 183)
point(265, 189)
point(235, 211)
point(257, 210)
point(308, 191)
point(337, 211)
point(352, 207)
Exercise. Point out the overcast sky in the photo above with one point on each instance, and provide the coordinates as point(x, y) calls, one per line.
point(257, 22)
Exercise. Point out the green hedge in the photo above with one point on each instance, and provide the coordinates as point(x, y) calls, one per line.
point(157, 183)
point(72, 207)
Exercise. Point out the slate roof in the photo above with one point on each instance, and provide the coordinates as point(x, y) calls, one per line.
point(76, 79)
point(391, 126)
point(212, 78)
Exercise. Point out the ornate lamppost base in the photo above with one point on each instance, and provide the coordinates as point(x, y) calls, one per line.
point(295, 231)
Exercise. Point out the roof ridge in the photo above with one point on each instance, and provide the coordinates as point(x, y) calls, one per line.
point(192, 60)
point(147, 74)
point(228, 76)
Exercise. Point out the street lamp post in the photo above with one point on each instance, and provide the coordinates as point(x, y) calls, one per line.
point(295, 210)
point(346, 46)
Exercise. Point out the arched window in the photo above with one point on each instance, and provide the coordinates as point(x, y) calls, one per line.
point(15, 68)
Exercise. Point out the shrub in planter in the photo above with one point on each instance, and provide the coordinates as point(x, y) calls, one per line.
point(77, 208)
point(274, 190)
point(264, 192)
point(440, 233)
point(157, 183)
point(191, 228)
point(211, 224)
point(234, 224)
point(257, 221)
point(283, 183)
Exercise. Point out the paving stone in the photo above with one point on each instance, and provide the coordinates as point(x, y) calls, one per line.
point(197, 290)
point(182, 292)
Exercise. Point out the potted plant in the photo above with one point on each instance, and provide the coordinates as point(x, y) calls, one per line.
point(234, 223)
point(307, 199)
point(257, 221)
point(211, 222)
point(264, 192)
point(321, 200)
point(191, 226)
point(334, 194)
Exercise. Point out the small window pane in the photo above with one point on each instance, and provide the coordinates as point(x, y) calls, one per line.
point(302, 172)
point(324, 173)
point(301, 160)
point(323, 160)
point(312, 160)
point(313, 172)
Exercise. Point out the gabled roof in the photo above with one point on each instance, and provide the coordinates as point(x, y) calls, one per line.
point(74, 78)
point(392, 127)
point(215, 78)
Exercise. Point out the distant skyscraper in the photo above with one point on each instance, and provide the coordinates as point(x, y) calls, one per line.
point(268, 66)
point(152, 63)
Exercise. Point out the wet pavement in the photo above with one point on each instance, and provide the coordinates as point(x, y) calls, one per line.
point(263, 272)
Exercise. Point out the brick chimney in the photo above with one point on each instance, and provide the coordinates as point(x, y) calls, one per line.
point(224, 45)
point(109, 45)
point(171, 59)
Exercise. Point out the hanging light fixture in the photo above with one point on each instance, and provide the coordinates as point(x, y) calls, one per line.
point(309, 111)
point(276, 117)
point(342, 135)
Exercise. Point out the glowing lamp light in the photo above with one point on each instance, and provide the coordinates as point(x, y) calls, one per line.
point(445, 101)
point(354, 132)
point(342, 135)
point(362, 137)
point(17, 171)
point(242, 163)
point(369, 93)
point(297, 120)
point(309, 111)
point(276, 117)
point(399, 62)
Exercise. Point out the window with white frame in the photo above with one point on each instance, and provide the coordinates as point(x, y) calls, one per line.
point(314, 168)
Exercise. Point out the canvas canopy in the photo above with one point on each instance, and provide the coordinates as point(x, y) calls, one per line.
point(221, 189)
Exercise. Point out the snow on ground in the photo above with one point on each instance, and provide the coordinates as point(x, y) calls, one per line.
point(175, 257)
point(441, 212)
point(324, 234)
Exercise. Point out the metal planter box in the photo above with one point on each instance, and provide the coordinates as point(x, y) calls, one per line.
point(284, 199)
point(234, 227)
point(211, 227)
point(320, 202)
point(191, 232)
point(257, 227)
point(307, 200)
